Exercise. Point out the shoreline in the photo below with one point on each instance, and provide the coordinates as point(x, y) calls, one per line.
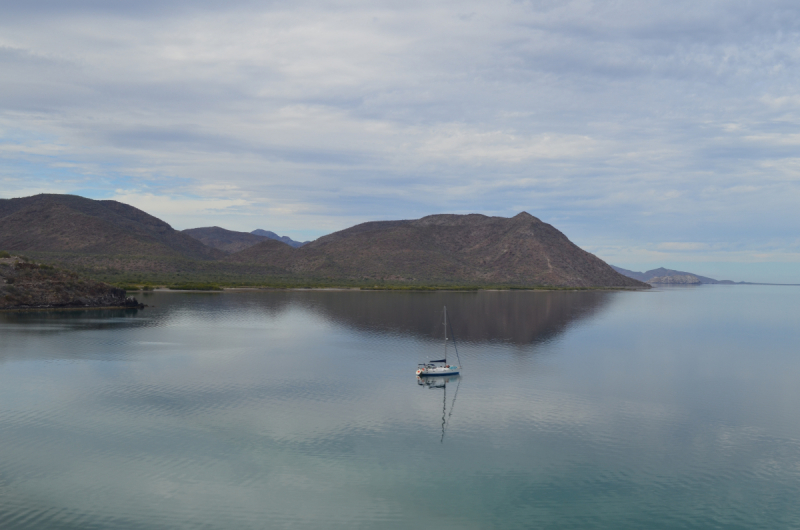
point(56, 308)
point(362, 289)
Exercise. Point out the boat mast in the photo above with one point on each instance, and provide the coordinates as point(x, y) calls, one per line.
point(445, 334)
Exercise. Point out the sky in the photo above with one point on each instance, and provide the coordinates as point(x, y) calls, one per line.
point(658, 133)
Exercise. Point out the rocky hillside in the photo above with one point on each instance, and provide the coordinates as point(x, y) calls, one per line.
point(445, 249)
point(26, 285)
point(227, 241)
point(68, 223)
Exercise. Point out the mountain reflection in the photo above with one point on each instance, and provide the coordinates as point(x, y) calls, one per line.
point(515, 317)
point(518, 317)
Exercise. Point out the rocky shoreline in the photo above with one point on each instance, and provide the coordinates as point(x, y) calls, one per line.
point(25, 285)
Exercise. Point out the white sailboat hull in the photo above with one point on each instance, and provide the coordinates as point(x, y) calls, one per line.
point(437, 370)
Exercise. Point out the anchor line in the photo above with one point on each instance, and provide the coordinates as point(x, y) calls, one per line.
point(452, 334)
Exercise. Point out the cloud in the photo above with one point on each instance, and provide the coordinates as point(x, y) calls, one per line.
point(682, 246)
point(170, 205)
point(504, 147)
point(616, 119)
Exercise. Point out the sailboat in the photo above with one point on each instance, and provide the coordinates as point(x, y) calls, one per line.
point(439, 367)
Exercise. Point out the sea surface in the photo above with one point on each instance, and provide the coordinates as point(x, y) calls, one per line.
point(672, 408)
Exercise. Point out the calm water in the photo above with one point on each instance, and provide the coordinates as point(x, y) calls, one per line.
point(676, 408)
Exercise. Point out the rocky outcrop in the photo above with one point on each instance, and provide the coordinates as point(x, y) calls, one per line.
point(26, 285)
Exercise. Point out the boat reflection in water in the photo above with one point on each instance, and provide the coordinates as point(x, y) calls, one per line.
point(434, 382)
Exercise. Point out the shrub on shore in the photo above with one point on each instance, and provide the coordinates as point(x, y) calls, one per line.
point(195, 287)
point(133, 287)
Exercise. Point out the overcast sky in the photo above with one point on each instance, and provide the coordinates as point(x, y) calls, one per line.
point(650, 133)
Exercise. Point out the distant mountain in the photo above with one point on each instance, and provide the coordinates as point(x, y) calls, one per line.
point(76, 225)
point(678, 279)
point(272, 235)
point(444, 248)
point(662, 275)
point(227, 241)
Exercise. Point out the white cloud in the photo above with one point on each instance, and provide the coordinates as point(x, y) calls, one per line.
point(170, 205)
point(505, 147)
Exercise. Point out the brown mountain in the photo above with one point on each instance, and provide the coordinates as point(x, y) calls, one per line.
point(116, 242)
point(444, 249)
point(227, 241)
point(68, 223)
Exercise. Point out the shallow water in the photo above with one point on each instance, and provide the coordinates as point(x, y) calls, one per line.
point(674, 408)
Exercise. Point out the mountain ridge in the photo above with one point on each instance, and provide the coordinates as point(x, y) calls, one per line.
point(473, 248)
point(286, 239)
point(119, 243)
point(49, 222)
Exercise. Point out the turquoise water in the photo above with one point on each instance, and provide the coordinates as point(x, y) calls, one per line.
point(674, 408)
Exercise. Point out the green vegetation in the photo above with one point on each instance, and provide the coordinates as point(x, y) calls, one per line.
point(129, 287)
point(4, 254)
point(196, 287)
